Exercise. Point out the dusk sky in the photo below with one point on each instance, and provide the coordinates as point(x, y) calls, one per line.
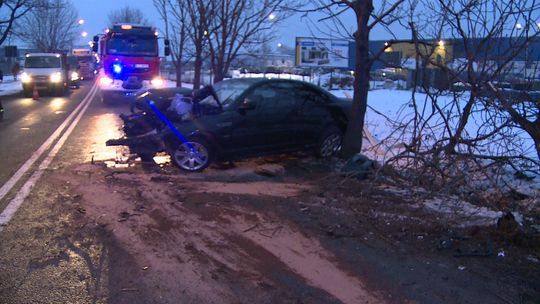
point(95, 14)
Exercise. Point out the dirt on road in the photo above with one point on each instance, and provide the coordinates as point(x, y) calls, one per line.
point(280, 230)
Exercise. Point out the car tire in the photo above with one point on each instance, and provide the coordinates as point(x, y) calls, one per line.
point(193, 155)
point(330, 142)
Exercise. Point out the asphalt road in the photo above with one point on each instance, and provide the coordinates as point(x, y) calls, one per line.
point(36, 137)
point(30, 125)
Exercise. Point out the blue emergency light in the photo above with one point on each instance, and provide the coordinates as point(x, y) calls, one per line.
point(117, 68)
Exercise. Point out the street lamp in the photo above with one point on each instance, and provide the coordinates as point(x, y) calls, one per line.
point(271, 17)
point(84, 34)
point(279, 44)
point(81, 21)
point(519, 27)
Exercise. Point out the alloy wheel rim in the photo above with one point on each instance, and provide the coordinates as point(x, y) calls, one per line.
point(191, 156)
point(331, 145)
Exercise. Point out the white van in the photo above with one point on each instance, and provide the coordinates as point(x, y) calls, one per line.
point(45, 71)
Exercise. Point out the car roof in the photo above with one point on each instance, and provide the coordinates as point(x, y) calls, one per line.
point(42, 54)
point(251, 81)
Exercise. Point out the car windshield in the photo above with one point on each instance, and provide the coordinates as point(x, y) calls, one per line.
point(131, 45)
point(42, 62)
point(227, 91)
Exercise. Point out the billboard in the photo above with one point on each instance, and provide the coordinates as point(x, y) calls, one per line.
point(318, 52)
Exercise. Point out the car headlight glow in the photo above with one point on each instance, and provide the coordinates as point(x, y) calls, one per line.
point(158, 82)
point(25, 78)
point(105, 80)
point(74, 76)
point(56, 77)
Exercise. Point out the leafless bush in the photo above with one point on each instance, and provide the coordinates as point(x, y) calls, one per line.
point(474, 136)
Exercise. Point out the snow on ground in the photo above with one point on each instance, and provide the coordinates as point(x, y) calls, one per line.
point(461, 213)
point(10, 86)
point(389, 107)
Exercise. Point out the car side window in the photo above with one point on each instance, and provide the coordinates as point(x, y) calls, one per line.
point(308, 98)
point(272, 98)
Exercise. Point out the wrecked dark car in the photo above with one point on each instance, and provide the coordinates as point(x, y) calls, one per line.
point(234, 119)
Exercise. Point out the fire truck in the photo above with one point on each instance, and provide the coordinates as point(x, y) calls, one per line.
point(86, 62)
point(129, 58)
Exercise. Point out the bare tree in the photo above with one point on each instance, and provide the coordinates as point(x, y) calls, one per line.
point(49, 26)
point(367, 17)
point(127, 14)
point(237, 22)
point(10, 11)
point(492, 119)
point(174, 15)
point(199, 13)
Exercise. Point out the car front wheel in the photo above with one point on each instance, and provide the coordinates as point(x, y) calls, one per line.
point(193, 155)
point(330, 142)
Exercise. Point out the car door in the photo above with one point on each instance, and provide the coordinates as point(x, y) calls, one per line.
point(268, 125)
point(312, 114)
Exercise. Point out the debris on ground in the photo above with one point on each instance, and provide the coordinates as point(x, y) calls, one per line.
point(358, 166)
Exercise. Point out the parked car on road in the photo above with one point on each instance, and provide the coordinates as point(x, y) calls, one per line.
point(245, 117)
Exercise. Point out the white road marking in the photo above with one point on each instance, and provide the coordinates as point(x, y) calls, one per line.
point(17, 201)
point(37, 154)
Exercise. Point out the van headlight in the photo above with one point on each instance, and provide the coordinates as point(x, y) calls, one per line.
point(74, 76)
point(25, 78)
point(56, 77)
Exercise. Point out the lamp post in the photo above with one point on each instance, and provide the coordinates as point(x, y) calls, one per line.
point(519, 27)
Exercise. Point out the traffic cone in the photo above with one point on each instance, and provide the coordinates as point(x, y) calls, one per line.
point(35, 94)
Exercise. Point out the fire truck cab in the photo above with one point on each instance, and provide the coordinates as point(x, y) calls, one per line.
point(129, 58)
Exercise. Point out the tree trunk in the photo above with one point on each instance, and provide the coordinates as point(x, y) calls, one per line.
point(218, 68)
point(197, 72)
point(218, 74)
point(178, 69)
point(352, 142)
